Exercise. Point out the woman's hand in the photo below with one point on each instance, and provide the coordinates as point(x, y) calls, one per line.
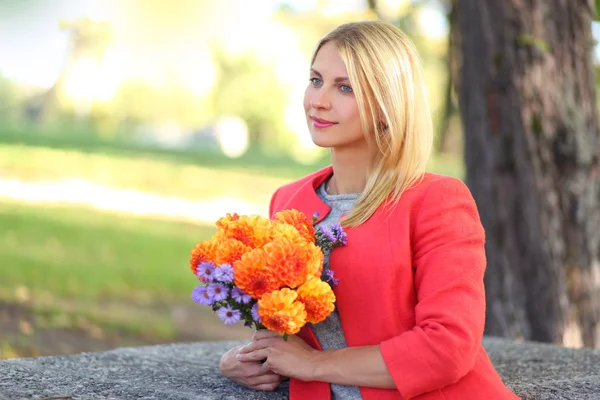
point(251, 374)
point(293, 358)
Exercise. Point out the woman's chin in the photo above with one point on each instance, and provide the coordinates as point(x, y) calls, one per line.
point(321, 140)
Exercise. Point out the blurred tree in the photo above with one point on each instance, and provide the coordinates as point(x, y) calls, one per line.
point(9, 100)
point(249, 89)
point(528, 104)
point(87, 39)
point(452, 83)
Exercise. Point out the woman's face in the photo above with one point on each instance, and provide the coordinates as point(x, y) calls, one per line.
point(331, 109)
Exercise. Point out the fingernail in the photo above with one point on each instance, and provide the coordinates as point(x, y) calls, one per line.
point(238, 356)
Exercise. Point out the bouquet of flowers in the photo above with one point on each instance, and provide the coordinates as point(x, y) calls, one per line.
point(267, 272)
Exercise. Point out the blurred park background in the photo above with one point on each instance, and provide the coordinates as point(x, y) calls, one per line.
point(128, 127)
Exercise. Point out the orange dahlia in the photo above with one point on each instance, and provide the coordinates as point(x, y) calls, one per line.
point(204, 251)
point(229, 251)
point(314, 266)
point(283, 230)
point(289, 260)
point(253, 276)
point(299, 221)
point(280, 312)
point(318, 298)
point(253, 231)
point(224, 221)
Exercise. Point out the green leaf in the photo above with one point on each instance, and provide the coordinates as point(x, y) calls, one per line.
point(529, 40)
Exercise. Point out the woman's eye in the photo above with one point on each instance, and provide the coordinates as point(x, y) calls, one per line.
point(315, 81)
point(346, 88)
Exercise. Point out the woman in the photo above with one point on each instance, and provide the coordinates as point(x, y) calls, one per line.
point(410, 305)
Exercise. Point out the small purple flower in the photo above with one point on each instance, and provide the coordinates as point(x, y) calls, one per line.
point(339, 234)
point(200, 295)
point(316, 216)
point(240, 296)
point(327, 234)
point(229, 315)
point(224, 273)
point(254, 313)
point(331, 278)
point(205, 270)
point(218, 292)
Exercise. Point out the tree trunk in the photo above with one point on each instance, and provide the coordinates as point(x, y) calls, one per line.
point(452, 84)
point(532, 144)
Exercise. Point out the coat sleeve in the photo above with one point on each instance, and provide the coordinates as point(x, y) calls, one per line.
point(449, 263)
point(273, 204)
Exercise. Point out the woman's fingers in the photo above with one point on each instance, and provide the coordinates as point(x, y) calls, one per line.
point(267, 387)
point(264, 334)
point(257, 345)
point(266, 378)
point(250, 347)
point(255, 355)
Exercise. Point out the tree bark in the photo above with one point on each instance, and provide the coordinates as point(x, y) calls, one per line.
point(532, 145)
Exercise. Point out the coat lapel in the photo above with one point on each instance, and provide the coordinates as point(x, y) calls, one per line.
point(306, 199)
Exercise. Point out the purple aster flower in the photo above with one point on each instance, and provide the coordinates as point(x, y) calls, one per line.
point(331, 278)
point(254, 313)
point(218, 292)
point(200, 295)
point(327, 234)
point(229, 315)
point(339, 234)
point(316, 216)
point(206, 270)
point(240, 296)
point(224, 273)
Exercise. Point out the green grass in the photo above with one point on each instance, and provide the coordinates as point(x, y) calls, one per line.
point(83, 255)
point(142, 172)
point(166, 176)
point(109, 279)
point(254, 161)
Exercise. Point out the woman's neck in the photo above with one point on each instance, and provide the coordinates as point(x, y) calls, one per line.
point(349, 171)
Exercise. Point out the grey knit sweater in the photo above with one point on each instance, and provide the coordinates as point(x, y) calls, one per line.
point(329, 333)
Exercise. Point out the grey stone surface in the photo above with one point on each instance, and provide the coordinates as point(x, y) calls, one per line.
point(190, 371)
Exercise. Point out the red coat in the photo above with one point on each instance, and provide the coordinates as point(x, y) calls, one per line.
point(412, 282)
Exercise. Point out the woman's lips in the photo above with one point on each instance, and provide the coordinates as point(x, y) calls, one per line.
point(321, 123)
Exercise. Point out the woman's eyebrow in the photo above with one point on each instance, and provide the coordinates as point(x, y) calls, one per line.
point(339, 79)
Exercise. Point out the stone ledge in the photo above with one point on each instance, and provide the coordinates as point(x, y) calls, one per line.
point(190, 371)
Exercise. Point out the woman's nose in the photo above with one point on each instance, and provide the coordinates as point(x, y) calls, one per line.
point(320, 101)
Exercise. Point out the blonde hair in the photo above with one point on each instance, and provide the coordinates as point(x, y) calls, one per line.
point(388, 82)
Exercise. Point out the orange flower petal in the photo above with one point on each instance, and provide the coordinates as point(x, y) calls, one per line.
point(287, 231)
point(203, 251)
point(224, 221)
point(318, 299)
point(299, 221)
point(253, 276)
point(289, 260)
point(280, 312)
point(253, 231)
point(314, 266)
point(229, 251)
